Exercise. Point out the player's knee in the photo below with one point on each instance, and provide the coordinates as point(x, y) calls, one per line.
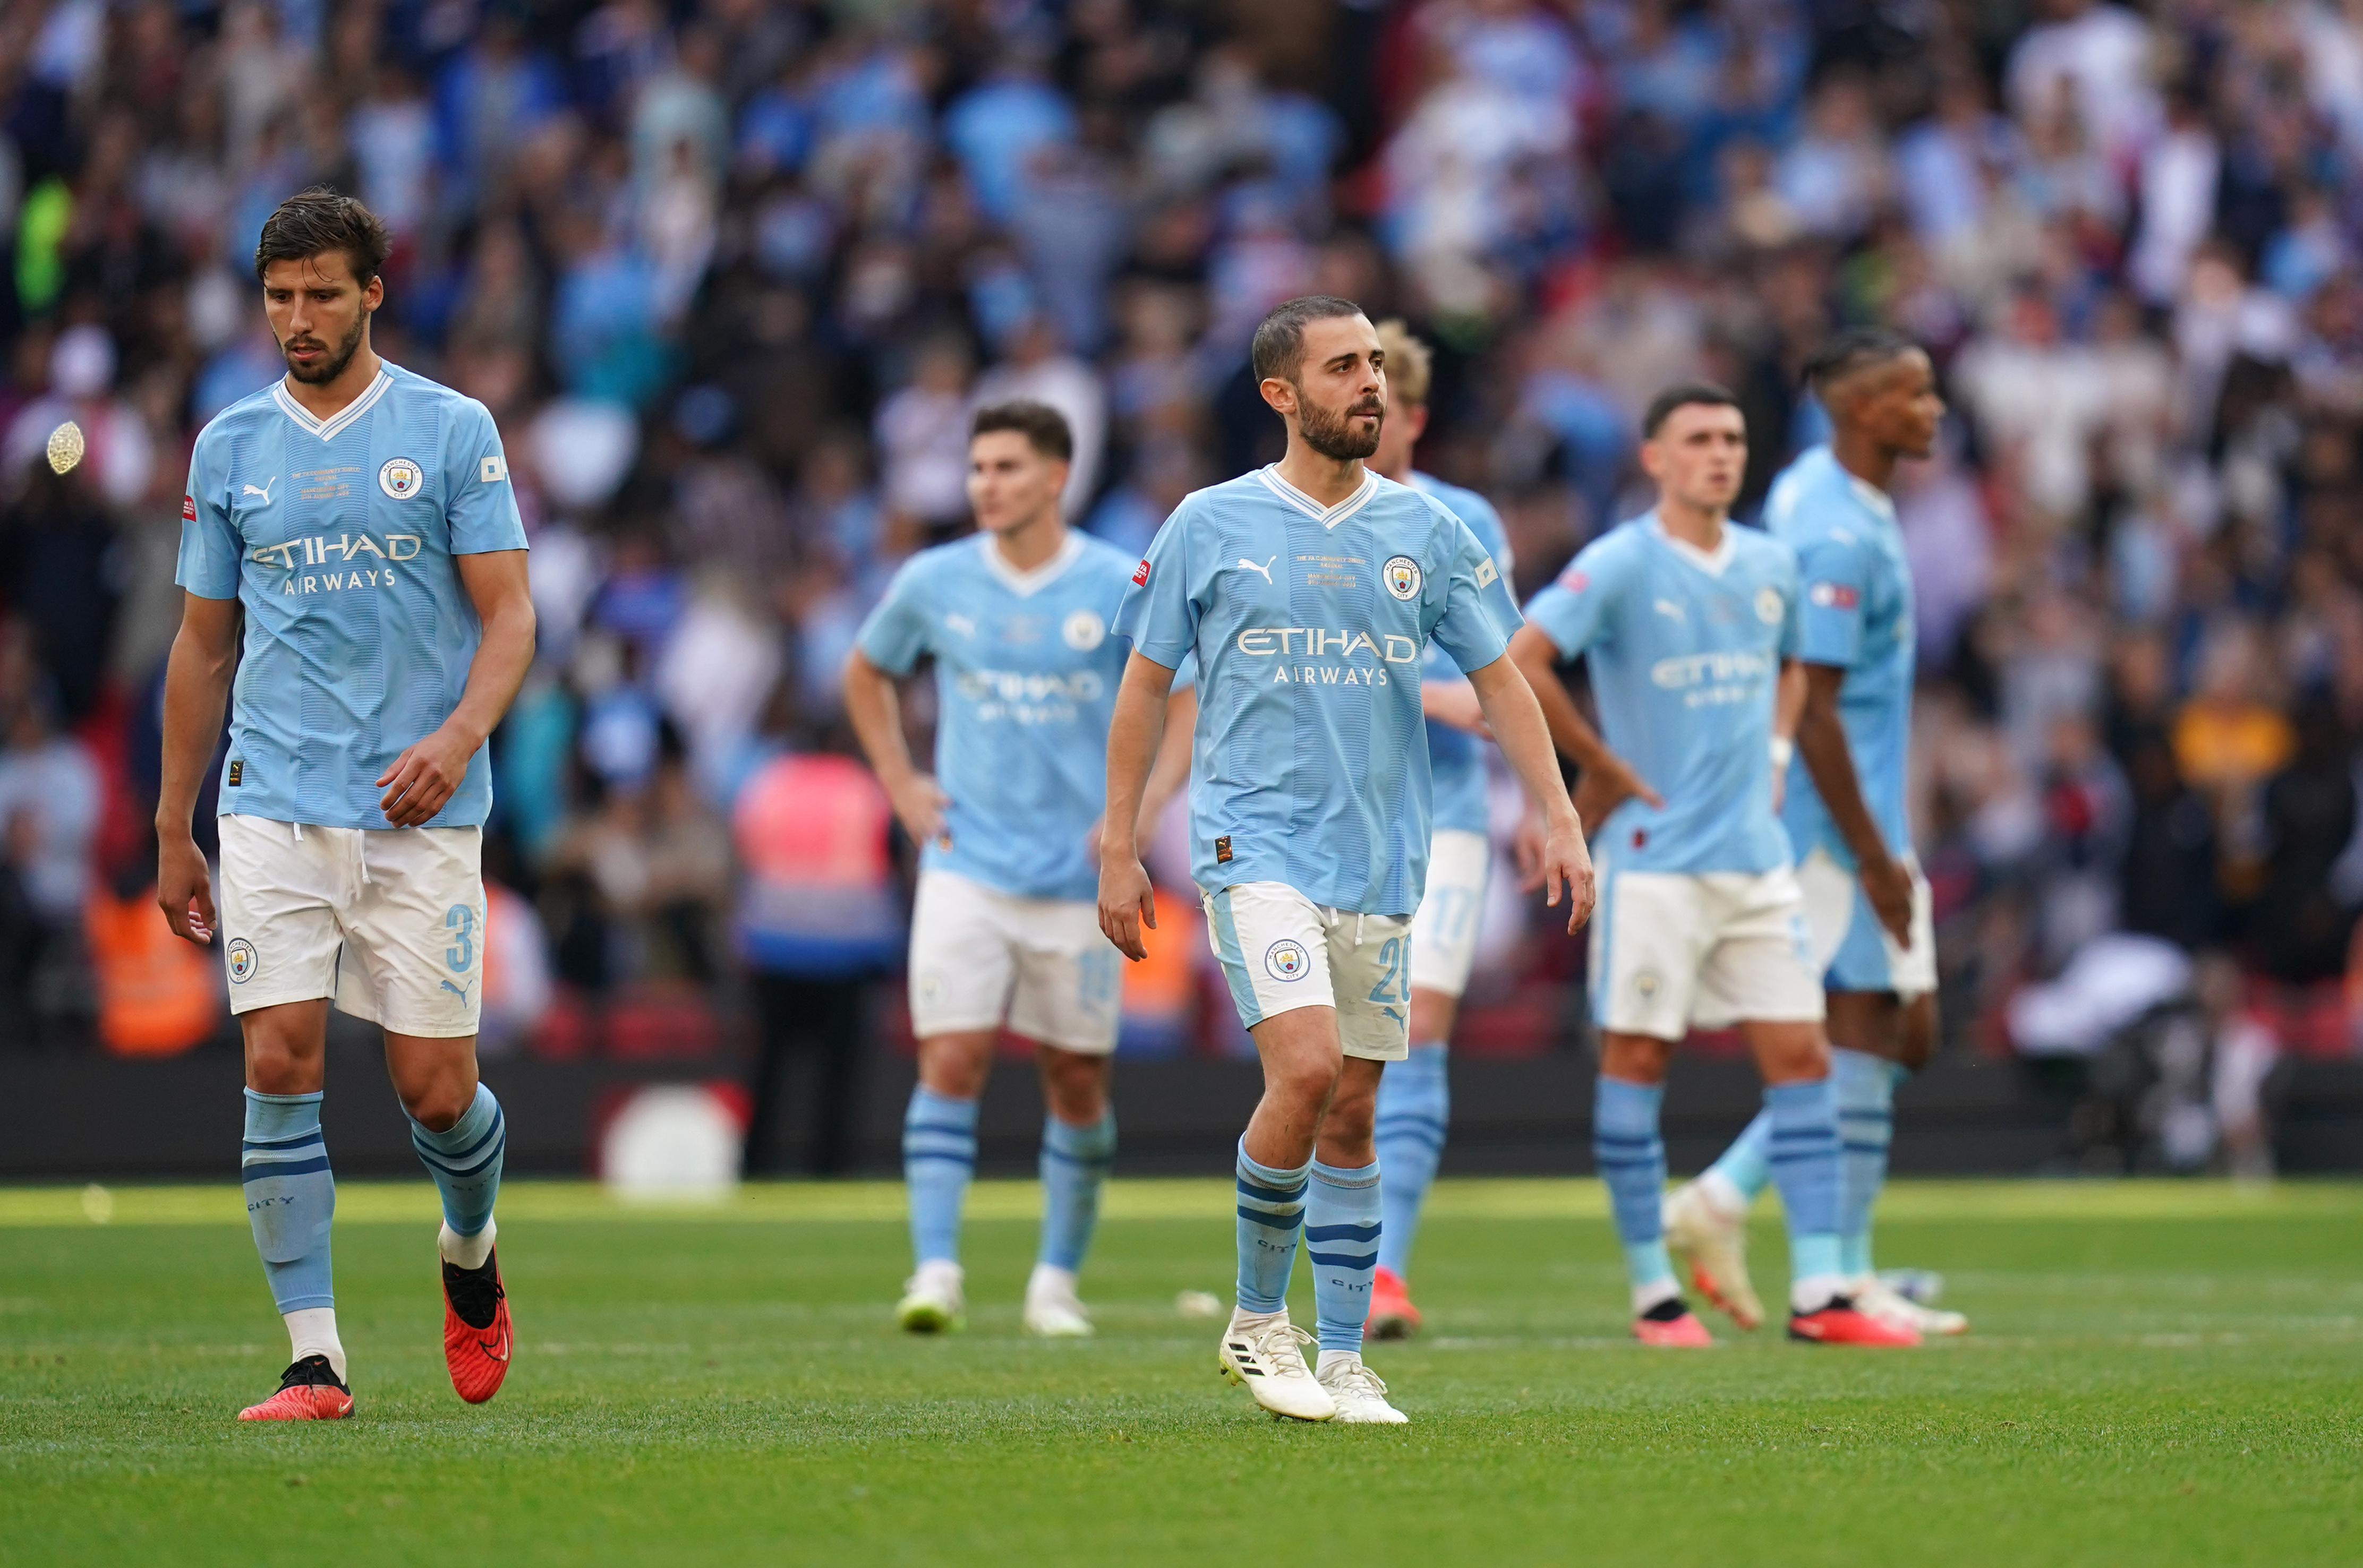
point(437, 1103)
point(1306, 1080)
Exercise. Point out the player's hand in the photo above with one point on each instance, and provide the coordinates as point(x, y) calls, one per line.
point(424, 779)
point(1887, 885)
point(1606, 786)
point(1454, 702)
point(1527, 849)
point(1567, 861)
point(919, 805)
point(184, 889)
point(1127, 903)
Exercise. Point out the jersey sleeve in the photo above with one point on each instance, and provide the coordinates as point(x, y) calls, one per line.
point(1833, 575)
point(212, 550)
point(482, 506)
point(894, 633)
point(1480, 617)
point(1578, 610)
point(1159, 614)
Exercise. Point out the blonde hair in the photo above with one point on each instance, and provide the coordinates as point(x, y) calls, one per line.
point(1409, 362)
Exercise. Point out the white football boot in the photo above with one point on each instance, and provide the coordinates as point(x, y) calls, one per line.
point(1360, 1394)
point(1713, 1246)
point(932, 1301)
point(1875, 1298)
point(1052, 1308)
point(1263, 1353)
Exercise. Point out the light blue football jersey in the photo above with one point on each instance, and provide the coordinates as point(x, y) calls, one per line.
point(1309, 766)
point(1857, 615)
point(1685, 652)
point(1025, 681)
point(1456, 758)
point(338, 538)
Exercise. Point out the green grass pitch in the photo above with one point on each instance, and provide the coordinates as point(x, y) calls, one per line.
point(2157, 1375)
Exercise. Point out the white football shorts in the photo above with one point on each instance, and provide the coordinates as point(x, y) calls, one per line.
point(1671, 950)
point(1851, 949)
point(981, 958)
point(387, 923)
point(1443, 927)
point(1281, 951)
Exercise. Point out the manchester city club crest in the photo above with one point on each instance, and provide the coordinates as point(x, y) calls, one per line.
point(1083, 630)
point(1768, 606)
point(241, 961)
point(1285, 960)
point(1401, 576)
point(401, 478)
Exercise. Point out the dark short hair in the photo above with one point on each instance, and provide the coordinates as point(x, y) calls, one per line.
point(314, 222)
point(1044, 427)
point(1855, 348)
point(1279, 340)
point(1683, 394)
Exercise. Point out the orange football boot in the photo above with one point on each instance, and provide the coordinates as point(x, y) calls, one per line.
point(1840, 1324)
point(1670, 1325)
point(308, 1391)
point(1392, 1317)
point(476, 1338)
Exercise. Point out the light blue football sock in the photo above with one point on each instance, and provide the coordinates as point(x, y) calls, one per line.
point(1805, 1167)
point(1271, 1216)
point(938, 1158)
point(1747, 1164)
point(1631, 1156)
point(1864, 1088)
point(1341, 1242)
point(1075, 1162)
point(465, 1160)
point(291, 1196)
point(1414, 1102)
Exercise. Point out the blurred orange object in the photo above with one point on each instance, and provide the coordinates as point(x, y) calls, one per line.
point(158, 996)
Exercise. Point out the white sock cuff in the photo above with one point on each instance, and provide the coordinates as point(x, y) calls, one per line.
point(466, 1251)
point(312, 1330)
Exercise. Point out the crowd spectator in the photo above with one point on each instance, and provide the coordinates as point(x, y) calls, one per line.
point(731, 274)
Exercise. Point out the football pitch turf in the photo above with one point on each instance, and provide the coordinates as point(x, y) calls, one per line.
point(2157, 1375)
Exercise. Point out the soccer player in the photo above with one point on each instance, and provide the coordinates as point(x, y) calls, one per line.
point(1004, 931)
point(1307, 591)
point(360, 518)
point(1415, 1098)
point(1685, 620)
point(1865, 901)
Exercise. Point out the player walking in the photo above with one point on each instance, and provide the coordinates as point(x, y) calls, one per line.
point(1866, 902)
point(1415, 1098)
point(361, 518)
point(1686, 621)
point(1004, 931)
point(1307, 590)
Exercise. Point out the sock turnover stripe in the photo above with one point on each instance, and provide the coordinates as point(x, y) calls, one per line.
point(265, 1171)
point(459, 1173)
point(1083, 1162)
point(1341, 1232)
point(1276, 1221)
point(1340, 1260)
point(1271, 1194)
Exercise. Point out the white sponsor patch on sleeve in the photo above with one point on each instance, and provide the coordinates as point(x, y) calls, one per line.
point(496, 469)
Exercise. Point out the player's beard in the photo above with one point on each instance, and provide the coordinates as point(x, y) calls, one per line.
point(1332, 435)
point(329, 368)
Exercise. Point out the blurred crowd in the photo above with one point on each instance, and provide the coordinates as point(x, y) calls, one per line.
point(732, 273)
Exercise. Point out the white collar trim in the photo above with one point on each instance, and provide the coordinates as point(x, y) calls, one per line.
point(1327, 516)
point(327, 429)
point(1026, 584)
point(1869, 494)
point(1712, 562)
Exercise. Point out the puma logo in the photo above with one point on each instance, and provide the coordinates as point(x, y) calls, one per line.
point(1247, 565)
point(262, 490)
point(459, 991)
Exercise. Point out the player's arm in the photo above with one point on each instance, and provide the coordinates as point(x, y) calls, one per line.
point(1171, 772)
point(423, 780)
point(1519, 728)
point(196, 690)
point(1788, 706)
point(1127, 901)
point(1607, 782)
point(876, 710)
point(1822, 740)
point(1453, 702)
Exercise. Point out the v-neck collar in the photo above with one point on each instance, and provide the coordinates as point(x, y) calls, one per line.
point(327, 429)
point(1715, 562)
point(1327, 516)
point(1026, 584)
